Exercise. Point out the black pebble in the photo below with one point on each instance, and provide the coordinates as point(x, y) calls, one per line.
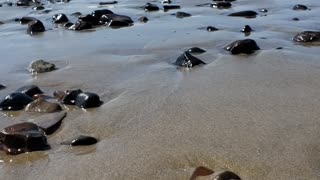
point(246, 46)
point(81, 141)
point(35, 27)
point(2, 87)
point(88, 100)
point(211, 28)
point(29, 90)
point(263, 10)
point(169, 7)
point(38, 8)
point(15, 101)
point(221, 5)
point(247, 14)
point(300, 7)
point(108, 2)
point(187, 60)
point(295, 19)
point(151, 7)
point(196, 50)
point(143, 19)
point(246, 29)
point(182, 14)
point(60, 18)
point(70, 96)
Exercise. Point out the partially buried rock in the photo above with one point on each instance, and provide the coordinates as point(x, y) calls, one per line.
point(151, 7)
point(295, 19)
point(90, 19)
point(29, 90)
point(88, 100)
point(307, 36)
point(107, 18)
point(225, 175)
point(81, 25)
point(60, 18)
point(247, 14)
point(35, 27)
point(211, 28)
point(67, 97)
point(41, 66)
point(196, 50)
point(24, 2)
point(108, 3)
point(118, 24)
point(50, 123)
point(300, 7)
point(169, 7)
point(43, 106)
point(143, 19)
point(38, 8)
point(26, 20)
point(81, 141)
point(68, 24)
point(246, 29)
point(201, 171)
point(221, 5)
point(182, 14)
point(2, 86)
point(188, 61)
point(15, 101)
point(246, 46)
point(23, 137)
point(98, 13)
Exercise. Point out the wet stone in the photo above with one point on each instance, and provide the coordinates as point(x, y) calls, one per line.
point(247, 14)
point(307, 36)
point(169, 7)
point(68, 24)
point(41, 66)
point(188, 61)
point(151, 7)
point(81, 25)
point(24, 2)
point(246, 29)
point(76, 14)
point(23, 137)
point(246, 46)
point(81, 141)
point(295, 19)
point(196, 50)
point(108, 3)
point(50, 123)
point(201, 171)
point(88, 100)
point(26, 20)
point(264, 10)
point(29, 90)
point(182, 14)
point(35, 27)
point(143, 19)
point(221, 5)
point(98, 13)
point(89, 19)
point(59, 18)
point(300, 7)
point(166, 2)
point(43, 106)
point(225, 175)
point(67, 97)
point(15, 101)
point(2, 86)
point(211, 28)
point(46, 11)
point(38, 8)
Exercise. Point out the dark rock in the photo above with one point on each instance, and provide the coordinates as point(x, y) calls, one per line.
point(108, 3)
point(307, 36)
point(107, 18)
point(81, 25)
point(118, 24)
point(264, 10)
point(23, 137)
point(50, 123)
point(2, 87)
point(201, 171)
point(143, 19)
point(89, 19)
point(247, 14)
point(300, 7)
point(24, 2)
point(1, 22)
point(46, 11)
point(221, 5)
point(188, 61)
point(246, 46)
point(279, 48)
point(225, 0)
point(35, 27)
point(295, 19)
point(60, 18)
point(81, 141)
point(29, 90)
point(211, 28)
point(226, 175)
point(151, 7)
point(68, 96)
point(68, 24)
point(76, 14)
point(15, 101)
point(196, 50)
point(98, 13)
point(246, 29)
point(41, 66)
point(38, 8)
point(169, 7)
point(182, 14)
point(166, 2)
point(43, 106)
point(26, 20)
point(88, 100)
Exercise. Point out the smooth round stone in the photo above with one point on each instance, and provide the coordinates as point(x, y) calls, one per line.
point(211, 28)
point(23, 137)
point(246, 46)
point(24, 2)
point(247, 14)
point(196, 50)
point(76, 14)
point(35, 27)
point(43, 106)
point(81, 141)
point(221, 5)
point(89, 19)
point(225, 175)
point(88, 100)
point(307, 36)
point(15, 101)
point(182, 14)
point(80, 25)
point(118, 24)
point(170, 7)
point(108, 3)
point(143, 19)
point(264, 10)
point(295, 19)
point(68, 97)
point(300, 7)
point(38, 8)
point(26, 20)
point(29, 90)
point(2, 86)
point(98, 13)
point(41, 66)
point(246, 29)
point(151, 7)
point(186, 60)
point(60, 18)
point(107, 18)
point(201, 171)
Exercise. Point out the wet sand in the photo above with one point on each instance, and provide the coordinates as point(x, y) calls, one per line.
point(255, 115)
